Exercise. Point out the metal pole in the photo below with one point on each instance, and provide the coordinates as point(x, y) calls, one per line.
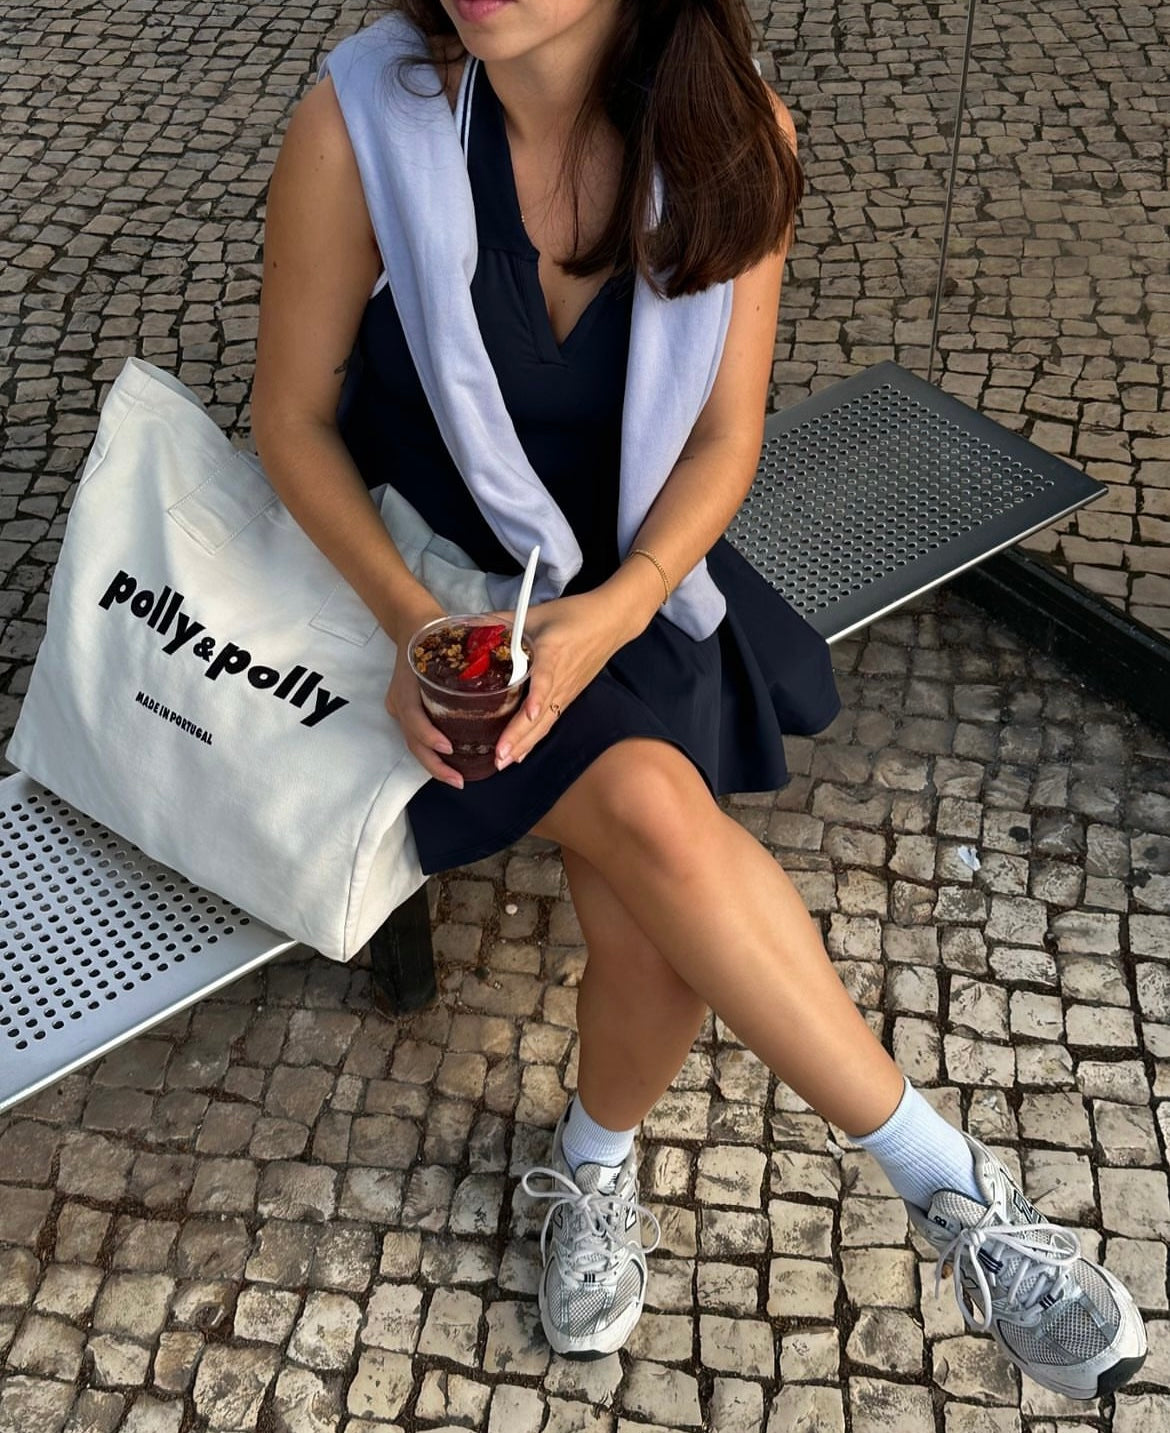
point(960, 108)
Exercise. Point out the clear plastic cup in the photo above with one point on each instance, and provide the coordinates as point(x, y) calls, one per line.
point(472, 720)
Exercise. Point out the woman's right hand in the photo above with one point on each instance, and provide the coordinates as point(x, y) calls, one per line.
point(404, 703)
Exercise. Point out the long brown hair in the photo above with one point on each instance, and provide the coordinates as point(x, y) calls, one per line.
point(678, 84)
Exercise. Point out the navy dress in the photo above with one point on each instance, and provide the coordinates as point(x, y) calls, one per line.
point(725, 701)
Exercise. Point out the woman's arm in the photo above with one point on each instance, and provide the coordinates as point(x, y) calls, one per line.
point(576, 636)
point(320, 264)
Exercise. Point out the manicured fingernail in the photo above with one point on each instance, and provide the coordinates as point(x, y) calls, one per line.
point(502, 761)
point(503, 751)
point(444, 748)
point(456, 782)
point(532, 713)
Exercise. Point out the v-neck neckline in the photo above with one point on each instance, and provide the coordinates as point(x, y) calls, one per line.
point(554, 349)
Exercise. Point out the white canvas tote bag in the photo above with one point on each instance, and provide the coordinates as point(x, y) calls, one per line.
point(209, 687)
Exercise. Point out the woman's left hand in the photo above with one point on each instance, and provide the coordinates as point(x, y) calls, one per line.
point(572, 638)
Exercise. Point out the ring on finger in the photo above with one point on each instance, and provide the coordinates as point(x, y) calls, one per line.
point(556, 711)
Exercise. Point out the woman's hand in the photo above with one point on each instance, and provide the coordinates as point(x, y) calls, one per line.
point(572, 639)
point(404, 703)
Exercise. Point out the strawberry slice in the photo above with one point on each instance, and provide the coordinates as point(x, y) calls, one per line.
point(481, 639)
point(477, 666)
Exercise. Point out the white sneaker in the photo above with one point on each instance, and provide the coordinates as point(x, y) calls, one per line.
point(594, 1280)
point(1066, 1322)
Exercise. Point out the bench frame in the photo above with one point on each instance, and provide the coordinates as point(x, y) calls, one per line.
point(868, 494)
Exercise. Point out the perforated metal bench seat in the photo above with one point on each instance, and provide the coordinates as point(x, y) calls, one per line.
point(868, 493)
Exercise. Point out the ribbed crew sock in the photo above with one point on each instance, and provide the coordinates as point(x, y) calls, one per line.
point(584, 1141)
point(920, 1153)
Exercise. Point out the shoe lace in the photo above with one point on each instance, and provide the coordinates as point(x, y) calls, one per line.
point(595, 1223)
point(1045, 1256)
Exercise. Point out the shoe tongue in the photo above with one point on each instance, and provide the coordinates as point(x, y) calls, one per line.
point(954, 1212)
point(596, 1178)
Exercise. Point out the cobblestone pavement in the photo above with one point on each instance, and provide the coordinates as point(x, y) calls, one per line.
point(280, 1212)
point(1056, 317)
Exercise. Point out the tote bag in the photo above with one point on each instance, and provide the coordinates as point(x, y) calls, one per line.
point(211, 690)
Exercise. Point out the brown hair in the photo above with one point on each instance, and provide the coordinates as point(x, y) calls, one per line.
point(678, 84)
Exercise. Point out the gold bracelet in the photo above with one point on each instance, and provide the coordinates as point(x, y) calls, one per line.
point(641, 552)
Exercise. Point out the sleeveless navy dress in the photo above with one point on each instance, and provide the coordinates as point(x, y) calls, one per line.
point(725, 701)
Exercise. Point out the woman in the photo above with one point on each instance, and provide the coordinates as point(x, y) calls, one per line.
point(631, 178)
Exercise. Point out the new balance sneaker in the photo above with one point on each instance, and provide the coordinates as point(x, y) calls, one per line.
point(594, 1280)
point(1066, 1322)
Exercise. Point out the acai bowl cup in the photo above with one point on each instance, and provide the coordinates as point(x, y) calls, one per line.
point(470, 701)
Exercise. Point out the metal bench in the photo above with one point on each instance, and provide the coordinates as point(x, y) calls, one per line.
point(869, 493)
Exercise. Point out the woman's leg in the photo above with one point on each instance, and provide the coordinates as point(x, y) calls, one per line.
point(729, 922)
point(636, 1019)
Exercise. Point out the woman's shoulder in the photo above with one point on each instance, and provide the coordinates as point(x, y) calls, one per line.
point(783, 117)
point(383, 53)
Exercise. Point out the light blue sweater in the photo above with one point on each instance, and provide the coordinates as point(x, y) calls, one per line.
point(416, 188)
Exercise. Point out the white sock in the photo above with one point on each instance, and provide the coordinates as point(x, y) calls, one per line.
point(584, 1141)
point(920, 1153)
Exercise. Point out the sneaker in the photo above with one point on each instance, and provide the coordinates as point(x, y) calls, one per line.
point(1068, 1323)
point(594, 1280)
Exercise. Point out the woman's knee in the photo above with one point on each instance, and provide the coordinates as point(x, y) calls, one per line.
point(642, 798)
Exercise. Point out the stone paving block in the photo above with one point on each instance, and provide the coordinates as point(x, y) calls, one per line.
point(802, 1288)
point(1141, 1266)
point(722, 1232)
point(654, 1391)
point(729, 1288)
point(381, 1385)
point(730, 1175)
point(979, 1062)
point(883, 1278)
point(810, 1356)
point(1126, 1134)
point(67, 1289)
point(741, 1346)
point(866, 1221)
point(394, 1318)
point(96, 1412)
point(451, 1329)
point(801, 1230)
point(458, 1261)
point(47, 1348)
point(809, 1408)
point(516, 1410)
point(143, 1245)
point(596, 1380)
point(971, 1418)
point(265, 1314)
point(117, 1362)
point(1060, 1119)
point(27, 1403)
point(326, 1332)
point(887, 1340)
point(515, 1341)
point(737, 1406)
point(134, 1304)
point(305, 1402)
point(1141, 1413)
point(663, 1338)
point(974, 1369)
point(1135, 1202)
point(876, 1405)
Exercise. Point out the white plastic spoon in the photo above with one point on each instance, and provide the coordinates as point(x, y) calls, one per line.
point(519, 655)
